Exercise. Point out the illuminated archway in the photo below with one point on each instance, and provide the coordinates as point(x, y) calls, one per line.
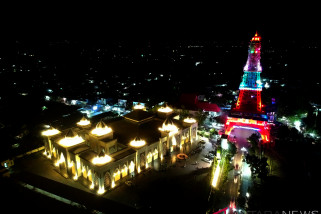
point(149, 157)
point(90, 177)
point(155, 154)
point(116, 174)
point(260, 126)
point(73, 168)
point(142, 160)
point(124, 171)
point(164, 148)
point(107, 180)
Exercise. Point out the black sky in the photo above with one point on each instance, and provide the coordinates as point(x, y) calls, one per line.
point(191, 20)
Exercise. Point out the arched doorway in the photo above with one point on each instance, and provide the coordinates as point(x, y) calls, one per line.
point(84, 172)
point(164, 148)
point(96, 180)
point(131, 167)
point(90, 177)
point(73, 168)
point(63, 165)
point(149, 157)
point(155, 155)
point(187, 147)
point(142, 161)
point(124, 171)
point(107, 180)
point(116, 174)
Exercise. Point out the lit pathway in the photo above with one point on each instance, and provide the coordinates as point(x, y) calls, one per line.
point(235, 182)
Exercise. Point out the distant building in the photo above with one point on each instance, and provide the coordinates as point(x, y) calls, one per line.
point(103, 156)
point(193, 103)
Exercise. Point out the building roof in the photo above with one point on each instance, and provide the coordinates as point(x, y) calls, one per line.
point(208, 106)
point(139, 115)
point(79, 149)
point(88, 155)
point(70, 133)
point(191, 102)
point(126, 131)
point(123, 153)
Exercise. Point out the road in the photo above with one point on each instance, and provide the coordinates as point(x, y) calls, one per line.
point(240, 176)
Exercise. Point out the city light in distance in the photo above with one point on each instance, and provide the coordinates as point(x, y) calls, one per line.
point(139, 106)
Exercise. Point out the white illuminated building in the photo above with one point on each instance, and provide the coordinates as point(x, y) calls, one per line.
point(104, 156)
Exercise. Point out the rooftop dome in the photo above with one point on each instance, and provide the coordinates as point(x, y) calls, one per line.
point(71, 138)
point(83, 122)
point(169, 126)
point(137, 142)
point(101, 129)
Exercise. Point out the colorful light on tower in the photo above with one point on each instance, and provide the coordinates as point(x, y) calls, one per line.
point(248, 108)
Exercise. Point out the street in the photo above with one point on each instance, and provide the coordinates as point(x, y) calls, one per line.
point(240, 175)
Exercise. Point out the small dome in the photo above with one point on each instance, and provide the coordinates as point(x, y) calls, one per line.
point(101, 153)
point(70, 133)
point(101, 125)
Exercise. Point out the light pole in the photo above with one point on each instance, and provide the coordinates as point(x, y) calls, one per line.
point(316, 116)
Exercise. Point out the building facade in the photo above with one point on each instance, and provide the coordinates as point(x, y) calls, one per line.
point(102, 156)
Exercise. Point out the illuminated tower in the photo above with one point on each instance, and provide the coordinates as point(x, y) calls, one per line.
point(249, 99)
point(248, 111)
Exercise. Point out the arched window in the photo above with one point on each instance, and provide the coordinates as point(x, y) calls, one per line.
point(124, 171)
point(116, 174)
point(155, 154)
point(149, 157)
point(131, 167)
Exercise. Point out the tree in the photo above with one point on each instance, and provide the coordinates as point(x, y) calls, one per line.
point(183, 113)
point(254, 140)
point(213, 131)
point(231, 149)
point(201, 116)
point(259, 166)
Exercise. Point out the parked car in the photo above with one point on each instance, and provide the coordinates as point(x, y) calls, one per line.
point(206, 160)
point(212, 152)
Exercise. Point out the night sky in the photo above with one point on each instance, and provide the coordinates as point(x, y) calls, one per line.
point(167, 21)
